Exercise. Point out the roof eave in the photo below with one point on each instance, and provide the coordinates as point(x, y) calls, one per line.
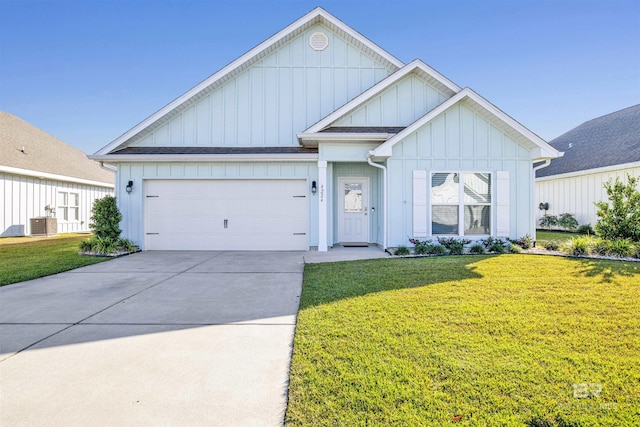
point(190, 158)
point(256, 51)
point(312, 139)
point(542, 150)
point(379, 88)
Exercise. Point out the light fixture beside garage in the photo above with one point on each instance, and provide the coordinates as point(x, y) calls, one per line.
point(129, 187)
point(314, 187)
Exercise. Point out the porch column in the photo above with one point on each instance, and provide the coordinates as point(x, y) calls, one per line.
point(322, 206)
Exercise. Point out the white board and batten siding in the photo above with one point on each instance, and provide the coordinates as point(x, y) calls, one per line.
point(577, 192)
point(287, 91)
point(25, 197)
point(267, 205)
point(401, 104)
point(459, 140)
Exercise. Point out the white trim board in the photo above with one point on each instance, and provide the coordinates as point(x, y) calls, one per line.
point(53, 176)
point(590, 171)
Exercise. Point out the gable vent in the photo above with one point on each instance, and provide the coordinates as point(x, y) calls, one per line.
point(319, 41)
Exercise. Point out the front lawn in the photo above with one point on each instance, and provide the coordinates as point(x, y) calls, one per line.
point(559, 236)
point(28, 260)
point(471, 340)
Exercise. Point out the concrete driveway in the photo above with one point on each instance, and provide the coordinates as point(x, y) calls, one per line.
point(155, 338)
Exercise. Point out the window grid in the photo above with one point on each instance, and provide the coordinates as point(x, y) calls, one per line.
point(461, 203)
point(68, 206)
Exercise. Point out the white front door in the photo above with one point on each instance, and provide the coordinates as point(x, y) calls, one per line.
point(353, 210)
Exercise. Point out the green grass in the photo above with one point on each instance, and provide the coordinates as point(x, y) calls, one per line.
point(38, 258)
point(558, 236)
point(499, 340)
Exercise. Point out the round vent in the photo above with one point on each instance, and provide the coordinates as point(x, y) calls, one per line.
point(319, 41)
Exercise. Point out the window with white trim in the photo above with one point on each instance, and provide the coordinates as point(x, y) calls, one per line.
point(461, 203)
point(68, 206)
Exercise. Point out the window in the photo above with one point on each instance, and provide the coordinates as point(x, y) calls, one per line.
point(353, 198)
point(460, 203)
point(68, 206)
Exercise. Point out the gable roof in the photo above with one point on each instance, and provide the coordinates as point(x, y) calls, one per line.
point(25, 149)
point(439, 81)
point(609, 140)
point(316, 16)
point(541, 149)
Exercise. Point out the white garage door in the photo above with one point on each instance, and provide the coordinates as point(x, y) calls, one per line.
point(226, 215)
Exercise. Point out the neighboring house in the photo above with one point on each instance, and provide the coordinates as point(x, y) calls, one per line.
point(599, 150)
point(41, 175)
point(319, 137)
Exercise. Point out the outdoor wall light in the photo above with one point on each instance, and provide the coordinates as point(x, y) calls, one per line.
point(129, 187)
point(544, 206)
point(314, 187)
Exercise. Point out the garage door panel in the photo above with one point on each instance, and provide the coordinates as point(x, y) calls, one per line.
point(260, 215)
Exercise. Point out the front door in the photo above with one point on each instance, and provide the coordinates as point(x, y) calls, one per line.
point(353, 210)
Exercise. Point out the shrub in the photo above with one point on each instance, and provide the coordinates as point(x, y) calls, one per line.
point(601, 247)
point(636, 250)
point(127, 245)
point(620, 217)
point(497, 248)
point(567, 221)
point(494, 245)
point(585, 229)
point(622, 248)
point(105, 221)
point(515, 249)
point(551, 245)
point(477, 248)
point(437, 250)
point(420, 247)
point(456, 248)
point(525, 242)
point(580, 245)
point(448, 242)
point(103, 246)
point(401, 251)
point(548, 221)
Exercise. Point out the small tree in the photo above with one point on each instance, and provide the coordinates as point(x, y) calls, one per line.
point(548, 221)
point(567, 221)
point(105, 221)
point(620, 217)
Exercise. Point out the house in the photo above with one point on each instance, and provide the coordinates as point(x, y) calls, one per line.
point(597, 151)
point(42, 176)
point(318, 137)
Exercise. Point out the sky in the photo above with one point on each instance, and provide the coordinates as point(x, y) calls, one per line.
point(86, 71)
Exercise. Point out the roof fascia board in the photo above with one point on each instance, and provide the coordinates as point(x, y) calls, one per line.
point(385, 149)
point(592, 171)
point(256, 51)
point(545, 149)
point(377, 89)
point(356, 35)
point(162, 158)
point(330, 136)
point(53, 176)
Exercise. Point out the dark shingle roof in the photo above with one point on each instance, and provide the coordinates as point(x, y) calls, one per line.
point(216, 150)
point(24, 146)
point(605, 141)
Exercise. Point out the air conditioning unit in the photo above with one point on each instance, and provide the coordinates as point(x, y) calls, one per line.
point(44, 226)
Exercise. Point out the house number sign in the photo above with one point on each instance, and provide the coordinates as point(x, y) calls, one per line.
point(321, 192)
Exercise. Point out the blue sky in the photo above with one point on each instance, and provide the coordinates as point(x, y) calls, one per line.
point(87, 71)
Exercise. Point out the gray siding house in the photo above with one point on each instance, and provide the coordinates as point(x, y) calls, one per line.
point(597, 151)
point(41, 175)
point(318, 137)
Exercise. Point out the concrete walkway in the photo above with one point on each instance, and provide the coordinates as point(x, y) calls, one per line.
point(155, 338)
